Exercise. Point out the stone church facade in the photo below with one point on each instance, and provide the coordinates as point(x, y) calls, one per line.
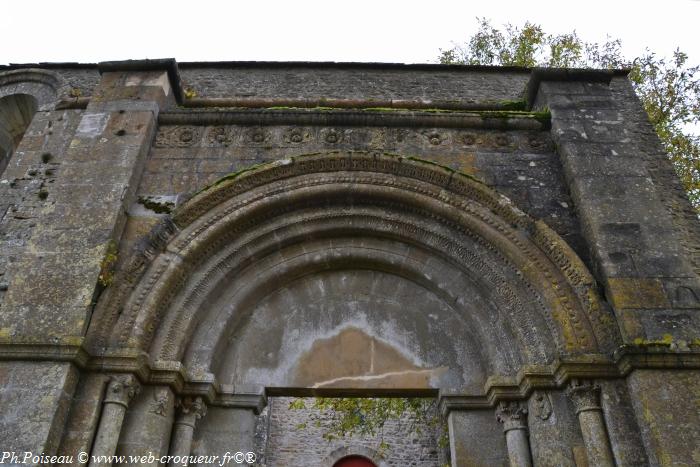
point(184, 248)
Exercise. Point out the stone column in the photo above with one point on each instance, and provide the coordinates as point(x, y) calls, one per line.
point(189, 411)
point(586, 398)
point(120, 390)
point(513, 416)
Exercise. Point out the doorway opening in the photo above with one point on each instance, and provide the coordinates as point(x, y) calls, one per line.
point(354, 461)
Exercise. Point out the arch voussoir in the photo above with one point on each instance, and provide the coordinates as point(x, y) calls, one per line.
point(223, 231)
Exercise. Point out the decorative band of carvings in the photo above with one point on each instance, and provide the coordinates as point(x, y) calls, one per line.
point(503, 120)
point(557, 375)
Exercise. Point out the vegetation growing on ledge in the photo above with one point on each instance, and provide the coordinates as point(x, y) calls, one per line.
point(520, 104)
point(511, 109)
point(237, 174)
point(156, 206)
point(359, 416)
point(251, 168)
point(667, 341)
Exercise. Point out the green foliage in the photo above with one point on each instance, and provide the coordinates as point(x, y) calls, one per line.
point(670, 93)
point(668, 88)
point(367, 416)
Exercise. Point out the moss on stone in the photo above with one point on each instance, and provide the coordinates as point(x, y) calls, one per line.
point(507, 104)
point(156, 206)
point(108, 264)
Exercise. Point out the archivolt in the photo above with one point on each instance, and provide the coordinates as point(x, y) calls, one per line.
point(43, 85)
point(250, 215)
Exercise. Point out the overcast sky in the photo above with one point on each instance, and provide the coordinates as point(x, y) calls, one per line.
point(359, 30)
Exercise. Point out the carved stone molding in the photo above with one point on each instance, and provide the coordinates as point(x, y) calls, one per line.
point(44, 85)
point(584, 394)
point(512, 414)
point(355, 118)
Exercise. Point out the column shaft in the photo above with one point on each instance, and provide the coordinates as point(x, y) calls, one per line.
point(183, 431)
point(513, 416)
point(585, 397)
point(120, 391)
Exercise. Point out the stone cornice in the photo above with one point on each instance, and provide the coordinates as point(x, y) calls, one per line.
point(567, 74)
point(168, 65)
point(173, 374)
point(399, 117)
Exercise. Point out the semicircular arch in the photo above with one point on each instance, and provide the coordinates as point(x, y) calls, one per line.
point(506, 281)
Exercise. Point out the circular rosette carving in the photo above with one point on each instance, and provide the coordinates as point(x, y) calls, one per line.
point(435, 138)
point(470, 139)
point(257, 136)
point(332, 136)
point(296, 136)
point(220, 136)
point(178, 136)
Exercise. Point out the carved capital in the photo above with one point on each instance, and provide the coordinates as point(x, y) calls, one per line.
point(191, 408)
point(512, 415)
point(584, 394)
point(121, 389)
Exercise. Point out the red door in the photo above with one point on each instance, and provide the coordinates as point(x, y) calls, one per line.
point(354, 461)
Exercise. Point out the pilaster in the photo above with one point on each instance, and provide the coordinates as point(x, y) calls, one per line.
point(634, 242)
point(77, 223)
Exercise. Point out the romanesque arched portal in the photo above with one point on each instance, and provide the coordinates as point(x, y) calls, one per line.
point(160, 294)
point(352, 272)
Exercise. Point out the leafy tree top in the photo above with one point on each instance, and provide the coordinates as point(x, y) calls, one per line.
point(669, 88)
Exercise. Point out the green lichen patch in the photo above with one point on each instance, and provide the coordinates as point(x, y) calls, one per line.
point(189, 92)
point(107, 265)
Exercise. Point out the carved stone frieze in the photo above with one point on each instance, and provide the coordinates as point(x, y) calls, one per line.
point(178, 136)
point(220, 136)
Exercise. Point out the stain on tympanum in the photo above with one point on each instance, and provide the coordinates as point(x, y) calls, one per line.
point(352, 359)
